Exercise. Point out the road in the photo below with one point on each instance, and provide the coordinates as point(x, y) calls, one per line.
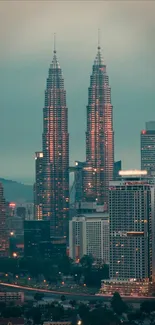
point(76, 296)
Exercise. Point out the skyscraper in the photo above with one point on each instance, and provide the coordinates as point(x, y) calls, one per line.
point(132, 234)
point(148, 149)
point(55, 152)
point(99, 135)
point(3, 233)
point(38, 186)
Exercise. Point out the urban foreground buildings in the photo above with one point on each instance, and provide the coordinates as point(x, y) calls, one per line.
point(52, 185)
point(89, 235)
point(3, 233)
point(148, 149)
point(132, 235)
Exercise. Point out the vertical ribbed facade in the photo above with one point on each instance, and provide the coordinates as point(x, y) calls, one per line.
point(4, 243)
point(148, 149)
point(55, 152)
point(38, 186)
point(99, 135)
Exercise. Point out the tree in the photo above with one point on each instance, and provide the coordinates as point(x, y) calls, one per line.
point(35, 314)
point(83, 311)
point(147, 306)
point(57, 313)
point(11, 312)
point(86, 261)
point(2, 306)
point(73, 303)
point(65, 265)
point(135, 316)
point(117, 304)
point(63, 298)
point(100, 316)
point(38, 296)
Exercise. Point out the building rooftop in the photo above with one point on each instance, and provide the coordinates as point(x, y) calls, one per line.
point(95, 215)
point(132, 173)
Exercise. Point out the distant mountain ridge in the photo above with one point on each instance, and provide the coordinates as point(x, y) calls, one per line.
point(17, 192)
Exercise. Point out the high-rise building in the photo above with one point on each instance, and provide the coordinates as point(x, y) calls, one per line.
point(56, 152)
point(36, 232)
point(99, 135)
point(38, 186)
point(132, 234)
point(4, 242)
point(89, 235)
point(148, 149)
point(117, 168)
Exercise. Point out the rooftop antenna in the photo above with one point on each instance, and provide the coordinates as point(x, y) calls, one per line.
point(54, 42)
point(99, 39)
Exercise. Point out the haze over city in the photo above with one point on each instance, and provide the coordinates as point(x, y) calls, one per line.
point(128, 47)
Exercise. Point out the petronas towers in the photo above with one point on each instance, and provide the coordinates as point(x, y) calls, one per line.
point(52, 164)
point(99, 135)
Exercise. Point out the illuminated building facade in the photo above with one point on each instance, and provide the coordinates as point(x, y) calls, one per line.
point(4, 242)
point(89, 235)
point(132, 229)
point(99, 135)
point(127, 288)
point(56, 152)
point(148, 149)
point(38, 186)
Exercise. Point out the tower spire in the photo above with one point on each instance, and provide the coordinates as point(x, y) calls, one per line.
point(54, 42)
point(99, 47)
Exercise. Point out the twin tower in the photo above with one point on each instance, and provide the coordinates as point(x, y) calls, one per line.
point(52, 164)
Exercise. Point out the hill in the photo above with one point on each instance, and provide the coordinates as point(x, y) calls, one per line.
point(17, 192)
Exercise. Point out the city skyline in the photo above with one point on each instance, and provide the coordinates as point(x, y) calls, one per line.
point(23, 75)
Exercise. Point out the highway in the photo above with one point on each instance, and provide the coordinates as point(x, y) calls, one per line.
point(76, 296)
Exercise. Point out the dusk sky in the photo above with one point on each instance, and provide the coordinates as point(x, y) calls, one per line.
point(26, 51)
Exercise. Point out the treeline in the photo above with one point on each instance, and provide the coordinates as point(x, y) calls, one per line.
point(93, 313)
point(52, 270)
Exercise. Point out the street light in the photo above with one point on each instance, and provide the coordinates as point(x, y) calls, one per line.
point(14, 254)
point(79, 322)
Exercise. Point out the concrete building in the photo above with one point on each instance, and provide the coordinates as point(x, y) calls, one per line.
point(89, 235)
point(16, 297)
point(15, 226)
point(12, 321)
point(148, 149)
point(132, 233)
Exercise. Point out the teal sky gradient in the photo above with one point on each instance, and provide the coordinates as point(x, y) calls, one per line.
point(26, 50)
